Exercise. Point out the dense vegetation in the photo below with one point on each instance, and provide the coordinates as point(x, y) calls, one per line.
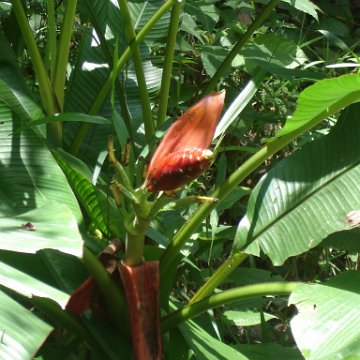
point(258, 256)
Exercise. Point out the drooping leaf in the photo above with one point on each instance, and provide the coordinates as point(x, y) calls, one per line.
point(327, 325)
point(212, 57)
point(306, 196)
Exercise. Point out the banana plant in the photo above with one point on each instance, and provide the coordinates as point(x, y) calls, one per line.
point(85, 187)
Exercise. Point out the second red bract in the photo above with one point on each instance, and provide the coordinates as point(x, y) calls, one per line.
point(183, 153)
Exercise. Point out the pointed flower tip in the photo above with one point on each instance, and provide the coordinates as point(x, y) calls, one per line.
point(182, 155)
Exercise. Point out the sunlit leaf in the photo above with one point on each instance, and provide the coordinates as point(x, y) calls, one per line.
point(21, 333)
point(52, 226)
point(323, 99)
point(327, 326)
point(306, 196)
point(29, 286)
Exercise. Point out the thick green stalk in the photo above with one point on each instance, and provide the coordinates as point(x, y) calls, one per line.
point(241, 42)
point(119, 65)
point(226, 297)
point(63, 51)
point(47, 94)
point(143, 93)
point(135, 238)
point(50, 55)
point(114, 296)
point(221, 273)
point(168, 62)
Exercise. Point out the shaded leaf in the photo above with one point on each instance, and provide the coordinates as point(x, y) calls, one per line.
point(345, 240)
point(30, 177)
point(269, 352)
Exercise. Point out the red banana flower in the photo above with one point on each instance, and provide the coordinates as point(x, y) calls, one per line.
point(183, 153)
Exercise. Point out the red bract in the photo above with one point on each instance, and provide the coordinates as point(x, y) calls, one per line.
point(182, 155)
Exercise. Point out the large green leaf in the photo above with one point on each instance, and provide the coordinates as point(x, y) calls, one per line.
point(30, 177)
point(322, 99)
point(52, 226)
point(22, 333)
point(306, 196)
point(327, 326)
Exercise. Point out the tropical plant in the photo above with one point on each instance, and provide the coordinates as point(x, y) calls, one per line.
point(122, 235)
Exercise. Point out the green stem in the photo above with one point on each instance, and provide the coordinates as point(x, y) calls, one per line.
point(221, 273)
point(119, 65)
point(114, 296)
point(50, 54)
point(241, 42)
point(47, 94)
point(226, 297)
point(168, 62)
point(142, 87)
point(135, 238)
point(63, 51)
